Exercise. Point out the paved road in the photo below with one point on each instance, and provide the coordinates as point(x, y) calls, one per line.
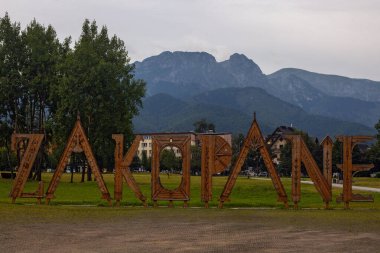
point(359, 188)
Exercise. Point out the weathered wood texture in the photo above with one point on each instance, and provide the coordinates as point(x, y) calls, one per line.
point(327, 145)
point(301, 154)
point(122, 169)
point(77, 142)
point(216, 157)
point(182, 192)
point(27, 161)
point(349, 142)
point(254, 140)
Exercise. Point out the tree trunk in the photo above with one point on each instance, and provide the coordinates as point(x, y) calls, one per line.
point(89, 177)
point(83, 172)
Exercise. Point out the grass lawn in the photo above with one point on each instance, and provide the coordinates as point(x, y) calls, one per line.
point(246, 193)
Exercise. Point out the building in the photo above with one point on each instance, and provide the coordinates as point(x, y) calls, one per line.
point(147, 146)
point(276, 141)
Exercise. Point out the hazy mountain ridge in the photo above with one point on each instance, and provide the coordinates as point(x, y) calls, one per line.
point(164, 113)
point(296, 90)
point(231, 110)
point(338, 86)
point(189, 76)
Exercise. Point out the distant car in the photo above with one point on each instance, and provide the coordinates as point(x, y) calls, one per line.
point(263, 174)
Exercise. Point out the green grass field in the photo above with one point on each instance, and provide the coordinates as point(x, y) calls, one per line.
point(246, 193)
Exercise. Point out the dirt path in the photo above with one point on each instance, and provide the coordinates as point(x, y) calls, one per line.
point(238, 231)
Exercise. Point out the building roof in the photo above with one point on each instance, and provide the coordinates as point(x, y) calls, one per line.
point(278, 133)
point(180, 133)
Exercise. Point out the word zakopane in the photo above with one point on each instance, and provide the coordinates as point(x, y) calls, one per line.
point(216, 157)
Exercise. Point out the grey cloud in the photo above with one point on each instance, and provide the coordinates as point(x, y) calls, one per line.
point(336, 36)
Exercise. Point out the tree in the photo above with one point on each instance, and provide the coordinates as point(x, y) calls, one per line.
point(28, 62)
point(12, 84)
point(373, 155)
point(196, 153)
point(169, 161)
point(237, 143)
point(202, 126)
point(136, 163)
point(97, 81)
point(145, 160)
point(12, 81)
point(41, 73)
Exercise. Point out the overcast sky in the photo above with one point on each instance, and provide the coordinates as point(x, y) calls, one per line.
point(327, 36)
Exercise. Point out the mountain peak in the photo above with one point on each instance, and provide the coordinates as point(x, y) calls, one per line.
point(239, 57)
point(188, 56)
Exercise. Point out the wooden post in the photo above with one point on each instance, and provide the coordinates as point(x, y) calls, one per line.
point(327, 145)
point(301, 154)
point(347, 168)
point(296, 171)
point(122, 169)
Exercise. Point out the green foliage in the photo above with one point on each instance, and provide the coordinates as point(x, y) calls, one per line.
point(12, 82)
point(312, 144)
point(45, 83)
point(373, 154)
point(169, 161)
point(253, 160)
point(285, 165)
point(98, 83)
point(136, 162)
point(145, 161)
point(237, 144)
point(202, 126)
point(196, 153)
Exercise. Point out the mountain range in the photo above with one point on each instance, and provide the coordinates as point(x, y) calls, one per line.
point(183, 87)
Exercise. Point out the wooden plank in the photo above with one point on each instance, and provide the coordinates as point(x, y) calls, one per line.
point(27, 161)
point(182, 192)
point(122, 169)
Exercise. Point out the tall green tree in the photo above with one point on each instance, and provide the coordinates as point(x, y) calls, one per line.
point(12, 84)
point(12, 79)
point(97, 81)
point(40, 72)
